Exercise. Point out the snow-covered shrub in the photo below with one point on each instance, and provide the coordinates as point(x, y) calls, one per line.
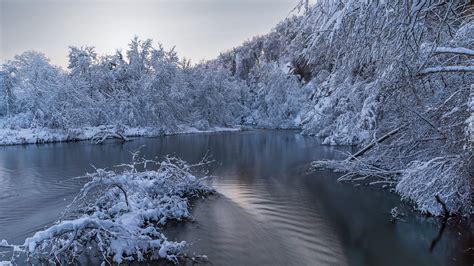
point(117, 216)
point(418, 185)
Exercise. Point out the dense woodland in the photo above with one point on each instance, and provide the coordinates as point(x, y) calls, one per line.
point(393, 77)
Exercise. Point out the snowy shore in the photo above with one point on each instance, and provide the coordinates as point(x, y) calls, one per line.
point(46, 135)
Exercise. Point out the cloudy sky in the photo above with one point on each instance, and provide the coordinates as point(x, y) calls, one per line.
point(200, 29)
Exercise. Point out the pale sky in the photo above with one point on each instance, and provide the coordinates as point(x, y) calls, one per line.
point(199, 29)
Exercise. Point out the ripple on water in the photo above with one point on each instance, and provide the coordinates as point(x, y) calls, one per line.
point(302, 230)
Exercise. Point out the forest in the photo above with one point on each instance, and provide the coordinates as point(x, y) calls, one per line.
point(393, 78)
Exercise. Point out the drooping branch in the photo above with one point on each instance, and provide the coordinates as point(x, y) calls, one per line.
point(124, 193)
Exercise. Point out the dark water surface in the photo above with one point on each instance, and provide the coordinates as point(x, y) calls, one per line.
point(269, 211)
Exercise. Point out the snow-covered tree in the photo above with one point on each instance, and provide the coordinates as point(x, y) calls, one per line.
point(390, 76)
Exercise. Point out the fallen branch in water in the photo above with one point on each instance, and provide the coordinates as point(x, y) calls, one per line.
point(446, 215)
point(443, 205)
point(358, 170)
point(101, 136)
point(117, 216)
point(396, 215)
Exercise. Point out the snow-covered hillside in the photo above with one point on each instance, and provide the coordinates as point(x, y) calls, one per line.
point(390, 76)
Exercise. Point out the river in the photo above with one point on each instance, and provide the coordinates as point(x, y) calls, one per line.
point(269, 210)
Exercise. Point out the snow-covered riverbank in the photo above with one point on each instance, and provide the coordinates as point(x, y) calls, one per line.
point(46, 135)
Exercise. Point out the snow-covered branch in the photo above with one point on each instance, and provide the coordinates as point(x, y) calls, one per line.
point(454, 50)
point(445, 69)
point(101, 136)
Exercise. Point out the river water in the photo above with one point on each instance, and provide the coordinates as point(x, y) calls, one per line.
point(269, 210)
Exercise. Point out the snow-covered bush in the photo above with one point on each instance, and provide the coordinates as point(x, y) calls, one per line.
point(417, 184)
point(118, 216)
